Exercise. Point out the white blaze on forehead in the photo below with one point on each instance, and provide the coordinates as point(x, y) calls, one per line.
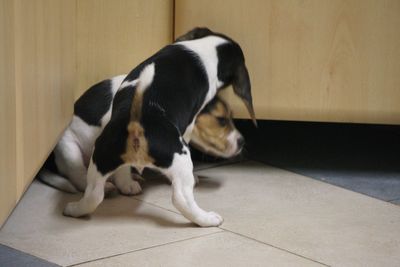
point(206, 50)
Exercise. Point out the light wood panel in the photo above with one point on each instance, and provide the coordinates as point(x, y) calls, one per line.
point(8, 187)
point(311, 60)
point(45, 79)
point(115, 36)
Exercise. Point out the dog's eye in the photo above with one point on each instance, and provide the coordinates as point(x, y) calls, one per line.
point(222, 121)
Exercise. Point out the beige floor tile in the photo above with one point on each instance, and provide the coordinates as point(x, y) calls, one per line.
point(310, 218)
point(220, 249)
point(119, 225)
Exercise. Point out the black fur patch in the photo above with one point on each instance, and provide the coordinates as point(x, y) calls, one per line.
point(94, 103)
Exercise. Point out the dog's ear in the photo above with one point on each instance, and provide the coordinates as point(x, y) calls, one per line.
point(196, 33)
point(242, 88)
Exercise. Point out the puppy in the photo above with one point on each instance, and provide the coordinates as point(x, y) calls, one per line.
point(65, 169)
point(153, 117)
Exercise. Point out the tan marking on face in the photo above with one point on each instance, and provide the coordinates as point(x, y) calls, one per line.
point(137, 151)
point(209, 131)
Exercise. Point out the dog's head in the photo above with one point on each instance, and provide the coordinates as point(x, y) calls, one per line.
point(214, 132)
point(232, 69)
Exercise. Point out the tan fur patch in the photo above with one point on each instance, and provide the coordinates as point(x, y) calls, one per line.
point(137, 151)
point(208, 129)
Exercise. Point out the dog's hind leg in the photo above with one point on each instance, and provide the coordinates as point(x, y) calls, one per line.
point(69, 160)
point(94, 194)
point(182, 178)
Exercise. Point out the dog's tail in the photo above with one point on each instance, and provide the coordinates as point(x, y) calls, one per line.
point(57, 181)
point(136, 140)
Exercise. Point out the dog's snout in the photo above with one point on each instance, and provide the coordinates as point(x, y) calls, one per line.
point(240, 142)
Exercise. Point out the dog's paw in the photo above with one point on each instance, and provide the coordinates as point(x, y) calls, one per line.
point(130, 187)
point(210, 219)
point(73, 210)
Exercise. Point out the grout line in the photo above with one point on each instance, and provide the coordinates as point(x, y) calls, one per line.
point(147, 248)
point(244, 236)
point(157, 206)
point(270, 245)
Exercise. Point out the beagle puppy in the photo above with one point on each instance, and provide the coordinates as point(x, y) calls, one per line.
point(66, 167)
point(153, 117)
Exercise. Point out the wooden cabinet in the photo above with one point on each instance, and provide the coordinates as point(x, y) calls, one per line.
point(115, 36)
point(50, 52)
point(311, 60)
point(8, 189)
point(37, 79)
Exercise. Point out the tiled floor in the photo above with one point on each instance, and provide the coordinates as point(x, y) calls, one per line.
point(272, 217)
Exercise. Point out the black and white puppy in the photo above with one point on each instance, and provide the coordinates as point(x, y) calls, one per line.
point(66, 168)
point(153, 116)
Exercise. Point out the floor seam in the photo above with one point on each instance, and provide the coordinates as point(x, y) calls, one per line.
point(146, 248)
point(270, 245)
point(157, 206)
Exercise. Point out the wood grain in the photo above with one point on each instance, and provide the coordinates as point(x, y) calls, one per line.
point(311, 60)
point(8, 187)
point(115, 36)
point(45, 78)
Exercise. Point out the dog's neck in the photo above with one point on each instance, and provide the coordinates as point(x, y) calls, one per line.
point(206, 50)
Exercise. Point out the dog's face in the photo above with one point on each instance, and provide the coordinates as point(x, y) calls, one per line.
point(214, 132)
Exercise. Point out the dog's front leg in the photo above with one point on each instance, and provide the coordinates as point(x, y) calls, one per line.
point(94, 194)
point(182, 178)
point(125, 183)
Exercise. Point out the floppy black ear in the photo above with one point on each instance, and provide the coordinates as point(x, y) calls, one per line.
point(196, 33)
point(242, 88)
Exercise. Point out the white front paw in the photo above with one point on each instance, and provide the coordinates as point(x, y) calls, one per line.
point(130, 187)
point(210, 219)
point(72, 210)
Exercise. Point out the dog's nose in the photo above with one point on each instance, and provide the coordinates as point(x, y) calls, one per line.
point(240, 142)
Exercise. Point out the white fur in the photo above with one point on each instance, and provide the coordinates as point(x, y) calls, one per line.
point(124, 182)
point(115, 85)
point(181, 175)
point(145, 78)
point(128, 83)
point(232, 139)
point(94, 194)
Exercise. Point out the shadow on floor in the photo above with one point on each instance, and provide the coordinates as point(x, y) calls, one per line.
point(359, 157)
